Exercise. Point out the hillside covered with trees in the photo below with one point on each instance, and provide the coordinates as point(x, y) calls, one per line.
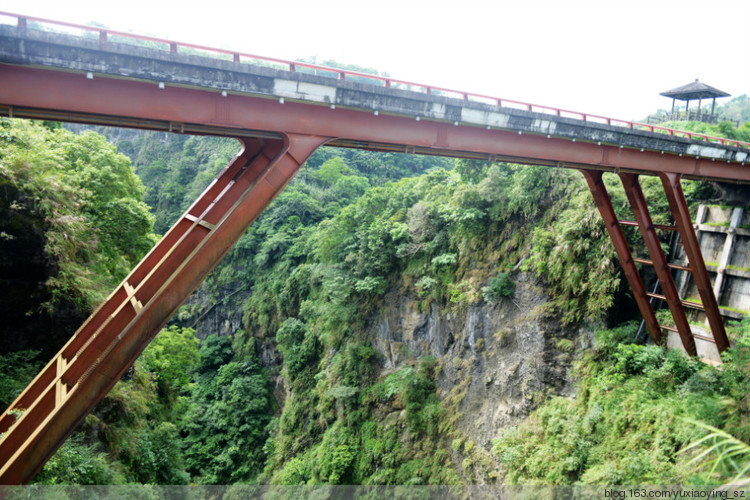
point(303, 390)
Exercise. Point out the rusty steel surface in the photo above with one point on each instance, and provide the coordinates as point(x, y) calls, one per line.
point(604, 204)
point(128, 99)
point(174, 46)
point(645, 225)
point(112, 338)
point(678, 205)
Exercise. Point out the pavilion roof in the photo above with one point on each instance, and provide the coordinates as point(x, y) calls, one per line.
point(694, 90)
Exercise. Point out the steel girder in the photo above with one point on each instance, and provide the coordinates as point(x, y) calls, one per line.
point(684, 223)
point(604, 204)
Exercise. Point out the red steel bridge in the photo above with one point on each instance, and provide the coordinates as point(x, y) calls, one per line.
point(281, 112)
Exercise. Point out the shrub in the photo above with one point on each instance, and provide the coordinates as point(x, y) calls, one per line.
point(297, 344)
point(499, 286)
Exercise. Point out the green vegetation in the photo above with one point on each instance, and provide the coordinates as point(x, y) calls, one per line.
point(736, 110)
point(225, 426)
point(733, 309)
point(17, 370)
point(311, 274)
point(728, 455)
point(631, 418)
point(96, 225)
point(723, 129)
point(499, 286)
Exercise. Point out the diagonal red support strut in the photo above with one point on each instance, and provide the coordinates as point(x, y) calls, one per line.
point(684, 222)
point(646, 226)
point(604, 204)
point(112, 338)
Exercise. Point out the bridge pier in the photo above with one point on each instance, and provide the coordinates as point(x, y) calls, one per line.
point(604, 204)
point(683, 224)
point(111, 339)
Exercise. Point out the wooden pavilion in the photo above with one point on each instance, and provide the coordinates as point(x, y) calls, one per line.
point(694, 91)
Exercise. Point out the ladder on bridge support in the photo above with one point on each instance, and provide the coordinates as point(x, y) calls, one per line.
point(96, 357)
point(683, 225)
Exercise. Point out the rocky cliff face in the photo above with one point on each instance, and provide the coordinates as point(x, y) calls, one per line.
point(496, 359)
point(210, 315)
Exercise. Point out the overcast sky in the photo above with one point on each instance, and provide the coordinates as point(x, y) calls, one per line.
point(608, 57)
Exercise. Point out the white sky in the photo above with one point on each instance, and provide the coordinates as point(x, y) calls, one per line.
point(609, 57)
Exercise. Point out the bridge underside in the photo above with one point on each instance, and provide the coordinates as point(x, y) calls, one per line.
point(277, 138)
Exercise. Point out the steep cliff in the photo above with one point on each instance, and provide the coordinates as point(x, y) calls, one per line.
point(505, 355)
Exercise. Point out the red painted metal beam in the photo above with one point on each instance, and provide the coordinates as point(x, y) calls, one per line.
point(646, 226)
point(112, 338)
point(57, 90)
point(678, 205)
point(604, 204)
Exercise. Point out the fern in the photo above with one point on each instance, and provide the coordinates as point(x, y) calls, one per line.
point(731, 454)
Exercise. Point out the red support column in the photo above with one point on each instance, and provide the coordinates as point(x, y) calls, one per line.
point(111, 339)
point(604, 204)
point(646, 226)
point(684, 223)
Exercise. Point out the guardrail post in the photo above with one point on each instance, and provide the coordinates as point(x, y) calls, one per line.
point(173, 47)
point(103, 36)
point(22, 23)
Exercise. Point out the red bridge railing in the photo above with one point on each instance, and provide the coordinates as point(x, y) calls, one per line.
point(104, 35)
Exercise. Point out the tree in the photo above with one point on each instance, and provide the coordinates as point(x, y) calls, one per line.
point(172, 357)
point(96, 224)
point(225, 429)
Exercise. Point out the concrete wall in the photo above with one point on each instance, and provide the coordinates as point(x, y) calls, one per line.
point(725, 245)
